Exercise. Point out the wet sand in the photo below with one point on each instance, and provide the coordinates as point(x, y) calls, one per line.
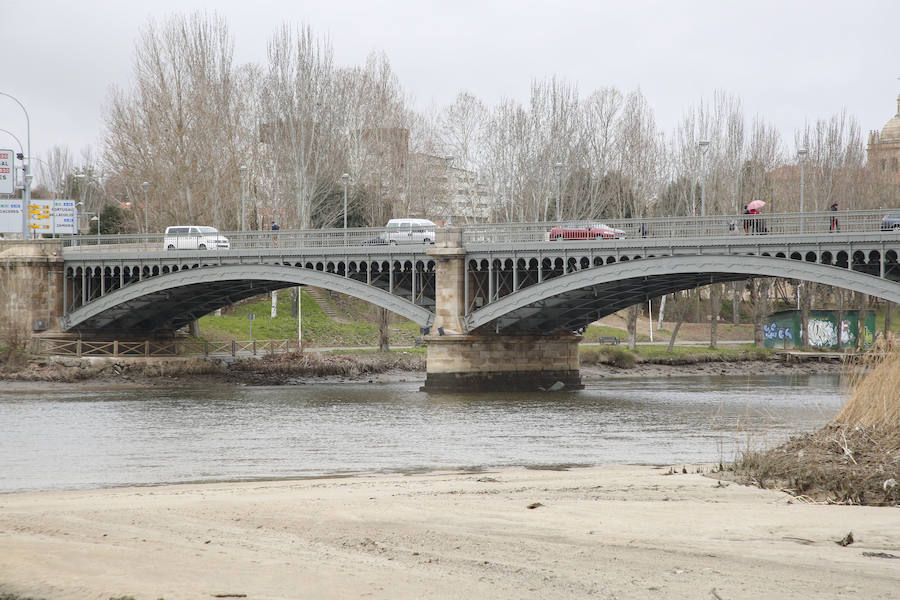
point(600, 532)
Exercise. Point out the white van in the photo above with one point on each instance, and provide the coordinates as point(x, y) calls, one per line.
point(409, 231)
point(194, 237)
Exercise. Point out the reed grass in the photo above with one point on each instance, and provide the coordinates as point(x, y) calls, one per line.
point(854, 459)
point(873, 392)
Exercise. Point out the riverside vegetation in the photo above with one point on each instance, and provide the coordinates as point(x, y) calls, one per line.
point(854, 459)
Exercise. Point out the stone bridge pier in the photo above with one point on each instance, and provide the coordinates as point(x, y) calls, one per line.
point(487, 361)
point(31, 289)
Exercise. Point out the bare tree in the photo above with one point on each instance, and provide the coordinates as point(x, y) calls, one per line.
point(299, 126)
point(179, 126)
point(834, 165)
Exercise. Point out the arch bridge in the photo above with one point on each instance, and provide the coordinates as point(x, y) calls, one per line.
point(477, 281)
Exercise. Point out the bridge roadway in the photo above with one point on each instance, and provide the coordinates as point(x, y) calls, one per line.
point(515, 279)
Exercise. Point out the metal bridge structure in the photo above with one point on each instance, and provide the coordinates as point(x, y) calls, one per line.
point(515, 279)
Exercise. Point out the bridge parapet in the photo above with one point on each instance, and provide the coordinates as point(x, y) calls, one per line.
point(797, 225)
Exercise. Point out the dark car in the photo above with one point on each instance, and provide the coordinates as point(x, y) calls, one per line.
point(890, 221)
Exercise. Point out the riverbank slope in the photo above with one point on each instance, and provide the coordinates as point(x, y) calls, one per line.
point(294, 368)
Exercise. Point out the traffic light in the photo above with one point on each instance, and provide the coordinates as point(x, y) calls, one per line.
point(20, 156)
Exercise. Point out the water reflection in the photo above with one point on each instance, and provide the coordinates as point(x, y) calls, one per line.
point(60, 440)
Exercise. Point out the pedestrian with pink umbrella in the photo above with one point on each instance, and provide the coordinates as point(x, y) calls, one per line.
point(756, 225)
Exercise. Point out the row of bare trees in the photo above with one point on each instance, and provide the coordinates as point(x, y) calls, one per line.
point(191, 117)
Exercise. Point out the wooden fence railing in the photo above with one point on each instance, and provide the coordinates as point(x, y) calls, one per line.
point(148, 348)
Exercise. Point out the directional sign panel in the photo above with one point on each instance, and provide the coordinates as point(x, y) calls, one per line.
point(7, 172)
point(65, 217)
point(39, 220)
point(10, 215)
point(52, 216)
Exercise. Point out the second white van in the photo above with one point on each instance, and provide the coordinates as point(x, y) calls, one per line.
point(194, 237)
point(409, 231)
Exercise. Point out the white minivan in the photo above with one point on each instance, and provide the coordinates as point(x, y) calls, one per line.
point(409, 231)
point(194, 237)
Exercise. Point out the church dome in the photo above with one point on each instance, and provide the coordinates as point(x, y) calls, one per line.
point(891, 129)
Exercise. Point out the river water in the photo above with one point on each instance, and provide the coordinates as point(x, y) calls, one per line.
point(91, 438)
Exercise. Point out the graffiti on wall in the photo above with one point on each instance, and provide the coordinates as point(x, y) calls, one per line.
point(821, 333)
point(772, 331)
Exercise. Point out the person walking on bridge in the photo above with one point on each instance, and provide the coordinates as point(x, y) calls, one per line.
point(835, 226)
point(275, 227)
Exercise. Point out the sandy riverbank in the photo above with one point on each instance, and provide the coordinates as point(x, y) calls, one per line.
point(604, 532)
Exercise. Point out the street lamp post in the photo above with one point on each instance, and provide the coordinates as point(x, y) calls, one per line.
point(450, 203)
point(18, 141)
point(704, 146)
point(345, 178)
point(146, 187)
point(26, 195)
point(801, 156)
point(243, 170)
point(558, 166)
point(97, 218)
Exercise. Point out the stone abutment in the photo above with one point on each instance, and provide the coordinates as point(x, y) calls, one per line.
point(31, 290)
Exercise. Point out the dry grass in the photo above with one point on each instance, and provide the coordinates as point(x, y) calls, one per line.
point(83, 370)
point(855, 459)
point(275, 368)
point(874, 392)
point(269, 369)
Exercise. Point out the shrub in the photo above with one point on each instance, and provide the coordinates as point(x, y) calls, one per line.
point(616, 356)
point(622, 358)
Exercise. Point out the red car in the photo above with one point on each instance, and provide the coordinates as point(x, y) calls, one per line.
point(597, 231)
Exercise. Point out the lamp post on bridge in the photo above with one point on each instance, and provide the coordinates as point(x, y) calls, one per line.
point(801, 157)
point(146, 187)
point(18, 141)
point(558, 167)
point(345, 178)
point(704, 147)
point(26, 194)
point(97, 218)
point(243, 170)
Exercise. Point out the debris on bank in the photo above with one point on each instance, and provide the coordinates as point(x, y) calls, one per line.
point(855, 459)
point(273, 369)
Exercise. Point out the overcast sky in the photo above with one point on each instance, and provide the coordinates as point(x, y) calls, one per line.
point(789, 62)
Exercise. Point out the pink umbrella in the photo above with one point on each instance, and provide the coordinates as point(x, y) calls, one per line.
point(756, 205)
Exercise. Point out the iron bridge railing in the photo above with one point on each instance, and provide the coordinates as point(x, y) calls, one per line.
point(717, 226)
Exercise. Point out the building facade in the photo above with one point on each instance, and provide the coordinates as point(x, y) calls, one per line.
point(883, 151)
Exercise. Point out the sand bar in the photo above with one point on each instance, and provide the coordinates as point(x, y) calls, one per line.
point(603, 532)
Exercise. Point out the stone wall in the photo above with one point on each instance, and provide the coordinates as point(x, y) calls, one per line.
point(31, 289)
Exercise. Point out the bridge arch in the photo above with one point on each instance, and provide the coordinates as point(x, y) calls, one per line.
point(173, 300)
point(578, 298)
